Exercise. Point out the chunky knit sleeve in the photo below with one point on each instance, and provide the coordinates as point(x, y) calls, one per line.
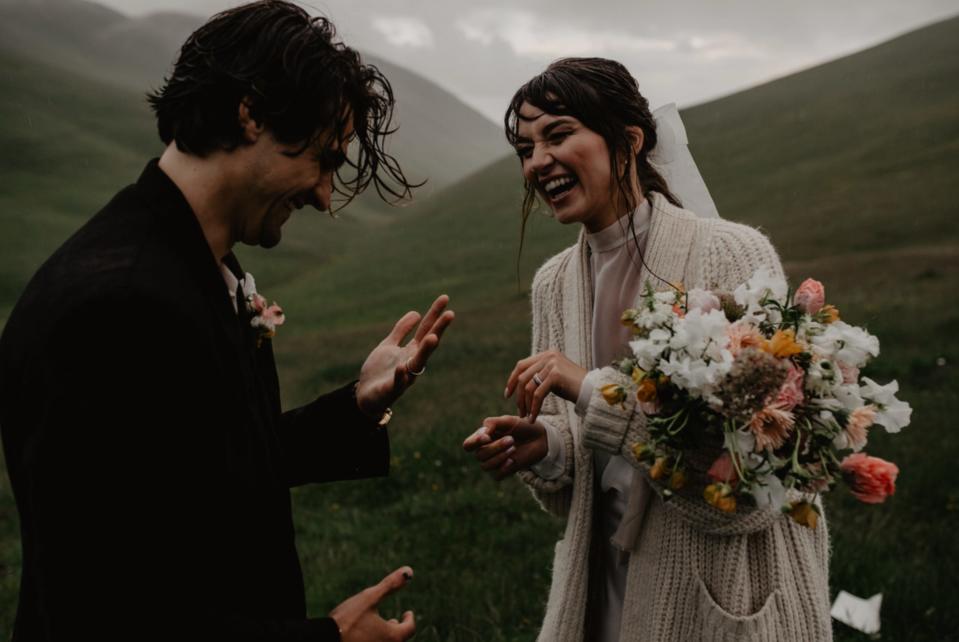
point(547, 292)
point(731, 252)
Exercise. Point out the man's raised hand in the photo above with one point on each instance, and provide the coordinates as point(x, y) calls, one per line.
point(392, 367)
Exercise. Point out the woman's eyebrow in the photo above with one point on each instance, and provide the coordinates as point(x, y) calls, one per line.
point(556, 123)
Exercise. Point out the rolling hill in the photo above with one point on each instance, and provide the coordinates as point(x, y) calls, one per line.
point(440, 138)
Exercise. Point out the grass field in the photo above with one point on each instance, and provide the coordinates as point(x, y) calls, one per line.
point(849, 167)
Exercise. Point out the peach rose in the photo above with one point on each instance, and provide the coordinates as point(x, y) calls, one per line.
point(870, 479)
point(859, 420)
point(741, 336)
point(810, 296)
point(791, 393)
point(723, 469)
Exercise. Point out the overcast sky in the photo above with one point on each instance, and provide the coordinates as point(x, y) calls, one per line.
point(681, 51)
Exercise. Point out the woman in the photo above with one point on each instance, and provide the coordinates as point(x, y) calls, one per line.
point(630, 566)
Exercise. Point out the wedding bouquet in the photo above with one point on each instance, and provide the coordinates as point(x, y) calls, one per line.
point(771, 381)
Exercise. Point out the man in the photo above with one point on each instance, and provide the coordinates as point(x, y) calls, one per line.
point(139, 402)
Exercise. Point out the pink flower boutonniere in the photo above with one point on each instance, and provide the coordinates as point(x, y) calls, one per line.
point(264, 318)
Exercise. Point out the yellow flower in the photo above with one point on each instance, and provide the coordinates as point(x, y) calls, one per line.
point(804, 513)
point(629, 317)
point(829, 314)
point(720, 496)
point(646, 391)
point(783, 344)
point(642, 451)
point(613, 393)
point(678, 479)
point(658, 470)
point(637, 375)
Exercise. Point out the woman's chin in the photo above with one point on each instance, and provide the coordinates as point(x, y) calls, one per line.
point(566, 215)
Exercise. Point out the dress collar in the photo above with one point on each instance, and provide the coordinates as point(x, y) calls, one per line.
point(614, 235)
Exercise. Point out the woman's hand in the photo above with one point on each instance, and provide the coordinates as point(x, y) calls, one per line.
point(535, 377)
point(507, 444)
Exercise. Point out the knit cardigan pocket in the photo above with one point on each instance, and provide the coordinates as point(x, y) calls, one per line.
point(711, 623)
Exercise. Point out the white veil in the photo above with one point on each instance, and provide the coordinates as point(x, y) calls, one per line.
point(671, 158)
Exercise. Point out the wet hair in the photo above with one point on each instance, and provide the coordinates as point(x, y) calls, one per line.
point(604, 96)
point(299, 82)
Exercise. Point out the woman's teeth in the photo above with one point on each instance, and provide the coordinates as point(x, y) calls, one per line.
point(559, 185)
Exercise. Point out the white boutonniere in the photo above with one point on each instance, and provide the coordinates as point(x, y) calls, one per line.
point(264, 318)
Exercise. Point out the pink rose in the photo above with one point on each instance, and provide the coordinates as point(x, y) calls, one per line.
point(810, 296)
point(257, 303)
point(273, 315)
point(870, 479)
point(723, 469)
point(791, 393)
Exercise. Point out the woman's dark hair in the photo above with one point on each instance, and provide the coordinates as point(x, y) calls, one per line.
point(605, 97)
point(299, 82)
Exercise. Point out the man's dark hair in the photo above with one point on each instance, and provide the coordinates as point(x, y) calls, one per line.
point(300, 82)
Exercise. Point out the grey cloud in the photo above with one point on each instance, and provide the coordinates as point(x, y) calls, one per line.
point(762, 39)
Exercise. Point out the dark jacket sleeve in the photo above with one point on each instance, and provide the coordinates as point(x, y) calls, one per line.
point(330, 439)
point(118, 482)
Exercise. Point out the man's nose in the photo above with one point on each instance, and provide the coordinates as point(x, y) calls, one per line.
point(323, 192)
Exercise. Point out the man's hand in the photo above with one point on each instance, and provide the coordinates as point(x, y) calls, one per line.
point(535, 377)
point(507, 444)
point(389, 370)
point(359, 620)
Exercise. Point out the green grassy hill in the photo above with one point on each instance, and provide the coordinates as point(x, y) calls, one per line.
point(848, 167)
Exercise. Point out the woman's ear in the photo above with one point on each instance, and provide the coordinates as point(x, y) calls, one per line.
point(250, 128)
point(636, 138)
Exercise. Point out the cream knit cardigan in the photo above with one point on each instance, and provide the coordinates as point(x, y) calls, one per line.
point(695, 574)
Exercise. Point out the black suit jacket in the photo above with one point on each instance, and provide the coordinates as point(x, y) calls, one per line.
point(148, 454)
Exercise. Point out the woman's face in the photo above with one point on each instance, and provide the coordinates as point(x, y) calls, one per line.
point(568, 165)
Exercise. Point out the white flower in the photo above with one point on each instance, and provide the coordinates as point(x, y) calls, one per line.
point(848, 395)
point(701, 336)
point(702, 300)
point(847, 343)
point(741, 441)
point(763, 284)
point(892, 414)
point(648, 351)
point(696, 376)
point(822, 377)
point(249, 286)
point(769, 492)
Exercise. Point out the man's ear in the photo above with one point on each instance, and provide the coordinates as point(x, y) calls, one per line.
point(636, 138)
point(249, 127)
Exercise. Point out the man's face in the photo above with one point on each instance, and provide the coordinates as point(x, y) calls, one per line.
point(282, 180)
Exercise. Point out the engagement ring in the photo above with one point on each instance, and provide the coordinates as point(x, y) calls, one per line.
point(414, 373)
